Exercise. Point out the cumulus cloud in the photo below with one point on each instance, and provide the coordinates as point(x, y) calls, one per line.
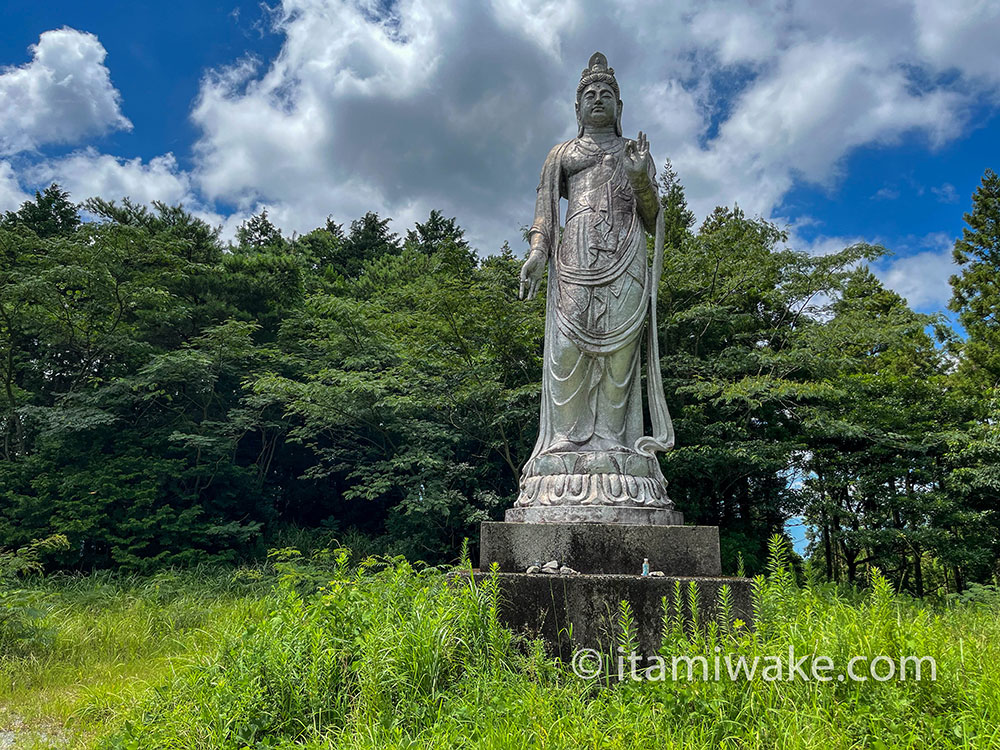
point(922, 277)
point(88, 174)
point(416, 105)
point(961, 35)
point(62, 96)
point(403, 113)
point(918, 269)
point(454, 107)
point(822, 244)
point(11, 195)
point(798, 121)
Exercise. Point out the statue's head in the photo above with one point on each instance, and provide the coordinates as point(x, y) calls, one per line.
point(598, 101)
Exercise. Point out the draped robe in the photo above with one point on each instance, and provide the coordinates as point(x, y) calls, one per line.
point(591, 447)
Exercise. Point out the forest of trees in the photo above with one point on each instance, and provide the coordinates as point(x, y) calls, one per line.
point(170, 398)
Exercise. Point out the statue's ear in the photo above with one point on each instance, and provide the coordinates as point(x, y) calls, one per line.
point(618, 122)
point(579, 121)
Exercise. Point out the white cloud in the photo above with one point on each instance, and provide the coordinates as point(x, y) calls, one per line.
point(822, 244)
point(11, 195)
point(86, 174)
point(919, 270)
point(677, 112)
point(960, 34)
point(946, 193)
point(797, 121)
point(737, 35)
point(544, 21)
point(454, 105)
point(62, 96)
point(922, 277)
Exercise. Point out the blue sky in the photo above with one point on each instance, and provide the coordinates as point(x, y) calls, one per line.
point(841, 121)
point(157, 54)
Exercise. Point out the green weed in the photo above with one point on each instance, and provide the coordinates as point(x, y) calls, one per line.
point(328, 651)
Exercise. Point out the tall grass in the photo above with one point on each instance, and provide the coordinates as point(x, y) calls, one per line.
point(326, 652)
point(98, 644)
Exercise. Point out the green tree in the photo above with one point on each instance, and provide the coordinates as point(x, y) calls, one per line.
point(49, 215)
point(417, 392)
point(678, 218)
point(258, 231)
point(124, 362)
point(976, 294)
point(368, 239)
point(876, 466)
point(735, 309)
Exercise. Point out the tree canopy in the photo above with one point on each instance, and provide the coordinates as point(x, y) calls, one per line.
point(168, 397)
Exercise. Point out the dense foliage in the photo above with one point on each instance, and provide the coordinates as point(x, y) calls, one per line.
point(336, 652)
point(166, 397)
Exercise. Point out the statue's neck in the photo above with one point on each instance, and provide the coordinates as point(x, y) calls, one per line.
point(603, 136)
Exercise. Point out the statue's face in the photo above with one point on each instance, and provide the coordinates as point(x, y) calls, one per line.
point(598, 105)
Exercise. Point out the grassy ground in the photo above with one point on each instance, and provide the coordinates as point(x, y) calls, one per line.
point(93, 646)
point(326, 654)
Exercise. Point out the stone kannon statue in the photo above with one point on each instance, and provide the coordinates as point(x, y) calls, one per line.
point(594, 460)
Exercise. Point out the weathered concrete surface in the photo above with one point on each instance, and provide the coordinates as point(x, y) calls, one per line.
point(599, 548)
point(571, 612)
point(612, 514)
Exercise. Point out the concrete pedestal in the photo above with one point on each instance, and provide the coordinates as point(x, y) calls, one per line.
point(581, 611)
point(601, 548)
point(571, 612)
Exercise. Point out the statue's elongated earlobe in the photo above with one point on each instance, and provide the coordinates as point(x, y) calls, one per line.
point(618, 120)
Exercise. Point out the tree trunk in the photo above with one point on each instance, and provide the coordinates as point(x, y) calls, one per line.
point(827, 548)
point(918, 572)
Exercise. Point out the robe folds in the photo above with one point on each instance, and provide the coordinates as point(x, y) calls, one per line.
point(592, 447)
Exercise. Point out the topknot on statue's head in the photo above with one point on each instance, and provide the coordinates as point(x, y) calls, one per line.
point(597, 70)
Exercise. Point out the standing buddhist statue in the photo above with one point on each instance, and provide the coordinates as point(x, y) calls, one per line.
point(594, 460)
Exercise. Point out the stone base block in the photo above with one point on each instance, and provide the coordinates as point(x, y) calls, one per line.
point(572, 612)
point(595, 514)
point(601, 548)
